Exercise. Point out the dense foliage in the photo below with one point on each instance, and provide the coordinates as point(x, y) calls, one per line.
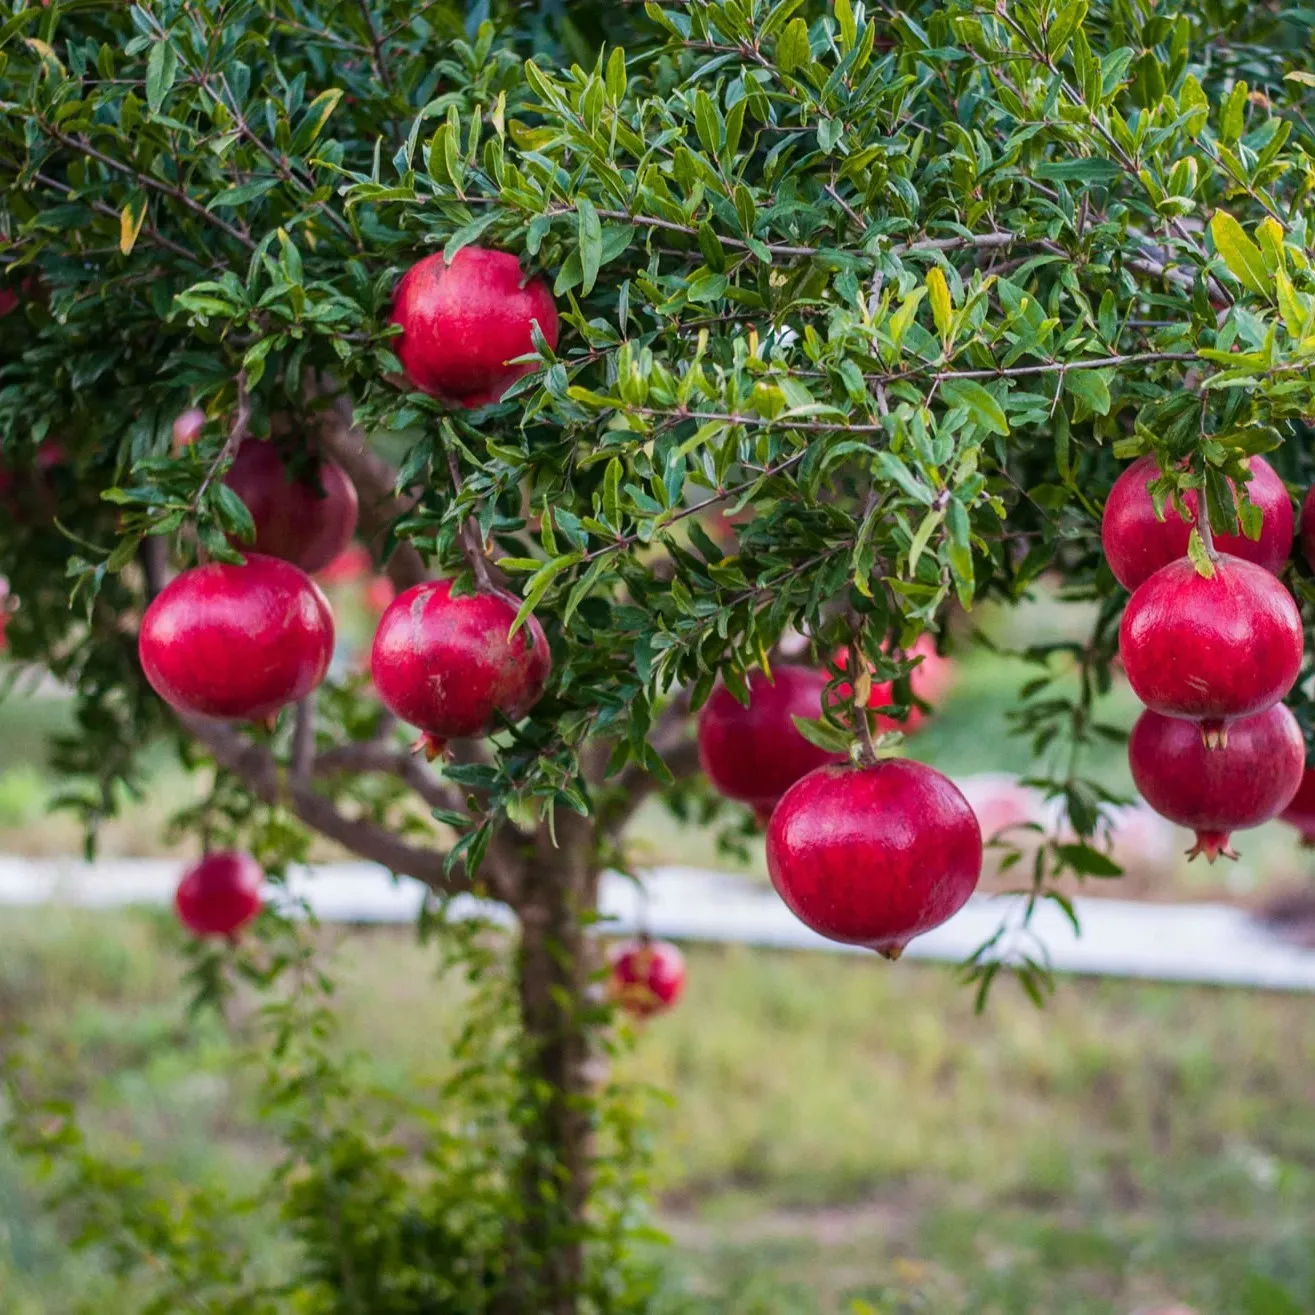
point(862, 309)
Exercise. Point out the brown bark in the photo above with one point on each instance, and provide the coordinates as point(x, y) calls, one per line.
point(553, 969)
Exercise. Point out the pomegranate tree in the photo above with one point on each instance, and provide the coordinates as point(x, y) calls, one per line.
point(874, 855)
point(929, 681)
point(220, 893)
point(1215, 792)
point(237, 642)
point(754, 754)
point(465, 323)
point(449, 665)
point(306, 516)
point(645, 977)
point(1137, 542)
point(1211, 648)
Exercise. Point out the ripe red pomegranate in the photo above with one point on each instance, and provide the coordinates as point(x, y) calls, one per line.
point(350, 565)
point(220, 893)
point(187, 428)
point(1137, 543)
point(1218, 791)
point(307, 519)
point(462, 323)
point(1211, 649)
point(646, 977)
point(237, 642)
point(445, 664)
point(1308, 528)
point(929, 680)
point(756, 754)
point(1301, 811)
point(874, 855)
point(379, 593)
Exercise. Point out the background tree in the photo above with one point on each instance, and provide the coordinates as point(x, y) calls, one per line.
point(860, 308)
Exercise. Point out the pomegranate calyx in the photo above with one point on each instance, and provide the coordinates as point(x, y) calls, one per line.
point(1214, 734)
point(432, 746)
point(1212, 844)
point(890, 951)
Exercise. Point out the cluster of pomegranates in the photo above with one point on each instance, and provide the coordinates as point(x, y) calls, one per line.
point(1211, 652)
point(871, 854)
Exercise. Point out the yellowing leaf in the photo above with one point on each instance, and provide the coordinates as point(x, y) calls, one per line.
point(131, 218)
point(1270, 233)
point(1201, 559)
point(1294, 306)
point(942, 308)
point(1240, 253)
point(1300, 75)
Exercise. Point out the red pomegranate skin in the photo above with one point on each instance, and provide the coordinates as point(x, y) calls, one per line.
point(307, 520)
point(220, 893)
point(1137, 543)
point(1218, 791)
point(1301, 811)
point(755, 754)
point(874, 855)
point(462, 323)
point(1211, 649)
point(647, 977)
point(1308, 527)
point(445, 664)
point(237, 642)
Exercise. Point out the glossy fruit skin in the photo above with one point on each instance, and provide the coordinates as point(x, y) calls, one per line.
point(1308, 527)
point(1301, 811)
point(237, 642)
point(929, 680)
point(1218, 791)
point(646, 977)
point(755, 754)
point(445, 664)
point(1211, 650)
point(875, 855)
point(462, 323)
point(220, 893)
point(307, 519)
point(1137, 543)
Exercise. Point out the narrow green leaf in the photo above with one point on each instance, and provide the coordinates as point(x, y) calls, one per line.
point(1240, 253)
point(591, 242)
point(161, 70)
point(982, 406)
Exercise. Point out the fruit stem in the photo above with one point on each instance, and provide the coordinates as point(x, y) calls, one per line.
point(859, 686)
point(472, 546)
point(1203, 526)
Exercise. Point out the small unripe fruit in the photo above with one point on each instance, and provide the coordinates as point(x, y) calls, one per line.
point(220, 893)
point(1218, 791)
point(463, 323)
point(755, 754)
point(446, 665)
point(646, 977)
point(237, 642)
point(1138, 543)
point(874, 855)
point(1211, 649)
point(307, 519)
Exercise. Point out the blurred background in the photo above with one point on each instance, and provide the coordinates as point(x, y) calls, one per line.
point(837, 1134)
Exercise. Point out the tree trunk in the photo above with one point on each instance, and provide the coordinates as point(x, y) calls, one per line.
point(554, 966)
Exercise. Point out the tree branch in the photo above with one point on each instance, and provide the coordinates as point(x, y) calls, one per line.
point(371, 756)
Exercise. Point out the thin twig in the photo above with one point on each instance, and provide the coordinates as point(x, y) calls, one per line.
point(472, 547)
point(237, 435)
point(377, 60)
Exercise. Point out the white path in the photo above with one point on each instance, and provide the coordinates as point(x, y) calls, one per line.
point(1201, 943)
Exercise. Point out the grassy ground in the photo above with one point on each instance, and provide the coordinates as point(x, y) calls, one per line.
point(842, 1131)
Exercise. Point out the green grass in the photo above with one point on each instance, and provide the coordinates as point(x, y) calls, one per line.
point(841, 1130)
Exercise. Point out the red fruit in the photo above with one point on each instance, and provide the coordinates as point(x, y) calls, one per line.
point(187, 428)
point(647, 977)
point(874, 855)
point(1218, 791)
point(1211, 650)
point(1301, 811)
point(347, 567)
point(445, 664)
point(462, 323)
point(307, 519)
point(1137, 543)
point(756, 754)
point(929, 680)
point(237, 642)
point(379, 593)
point(220, 893)
point(1308, 528)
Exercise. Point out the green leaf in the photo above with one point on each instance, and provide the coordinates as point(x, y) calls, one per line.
point(793, 50)
point(591, 242)
point(243, 194)
point(1292, 305)
point(707, 122)
point(982, 406)
point(538, 583)
point(1201, 559)
point(161, 70)
point(616, 75)
point(959, 551)
point(313, 119)
point(1091, 388)
point(1193, 102)
point(1088, 862)
point(823, 734)
point(1240, 253)
point(844, 12)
